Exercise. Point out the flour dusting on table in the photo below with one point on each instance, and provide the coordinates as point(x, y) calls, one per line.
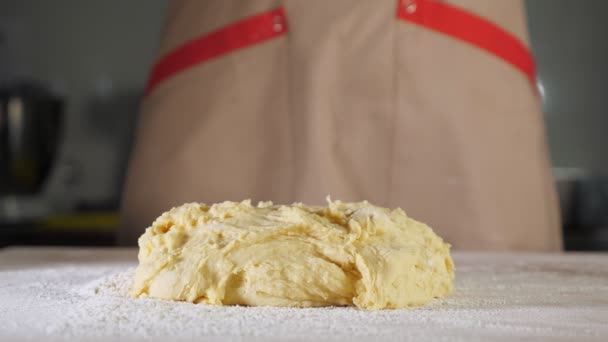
point(114, 285)
point(497, 297)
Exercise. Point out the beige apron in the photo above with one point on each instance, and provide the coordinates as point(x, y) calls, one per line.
point(354, 103)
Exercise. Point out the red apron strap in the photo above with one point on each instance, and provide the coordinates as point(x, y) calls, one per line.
point(246, 32)
point(432, 14)
point(470, 28)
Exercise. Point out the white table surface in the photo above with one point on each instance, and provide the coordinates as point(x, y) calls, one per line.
point(50, 293)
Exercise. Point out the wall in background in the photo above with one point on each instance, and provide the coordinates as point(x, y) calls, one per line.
point(571, 49)
point(95, 53)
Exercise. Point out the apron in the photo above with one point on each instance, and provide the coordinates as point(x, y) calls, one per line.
point(426, 105)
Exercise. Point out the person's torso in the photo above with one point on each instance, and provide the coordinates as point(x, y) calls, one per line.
point(355, 99)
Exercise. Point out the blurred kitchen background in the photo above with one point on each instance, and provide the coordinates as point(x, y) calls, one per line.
point(75, 71)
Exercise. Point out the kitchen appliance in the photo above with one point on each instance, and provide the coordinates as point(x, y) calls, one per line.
point(584, 207)
point(31, 120)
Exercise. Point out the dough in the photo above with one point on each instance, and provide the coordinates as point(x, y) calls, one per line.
point(292, 255)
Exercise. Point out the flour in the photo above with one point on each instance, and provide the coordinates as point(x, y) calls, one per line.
point(114, 285)
point(497, 297)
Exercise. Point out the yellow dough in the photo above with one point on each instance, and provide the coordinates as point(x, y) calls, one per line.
point(292, 255)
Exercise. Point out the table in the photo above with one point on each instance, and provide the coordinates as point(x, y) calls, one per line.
point(66, 294)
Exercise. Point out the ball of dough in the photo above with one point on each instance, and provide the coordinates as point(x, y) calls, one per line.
point(292, 255)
